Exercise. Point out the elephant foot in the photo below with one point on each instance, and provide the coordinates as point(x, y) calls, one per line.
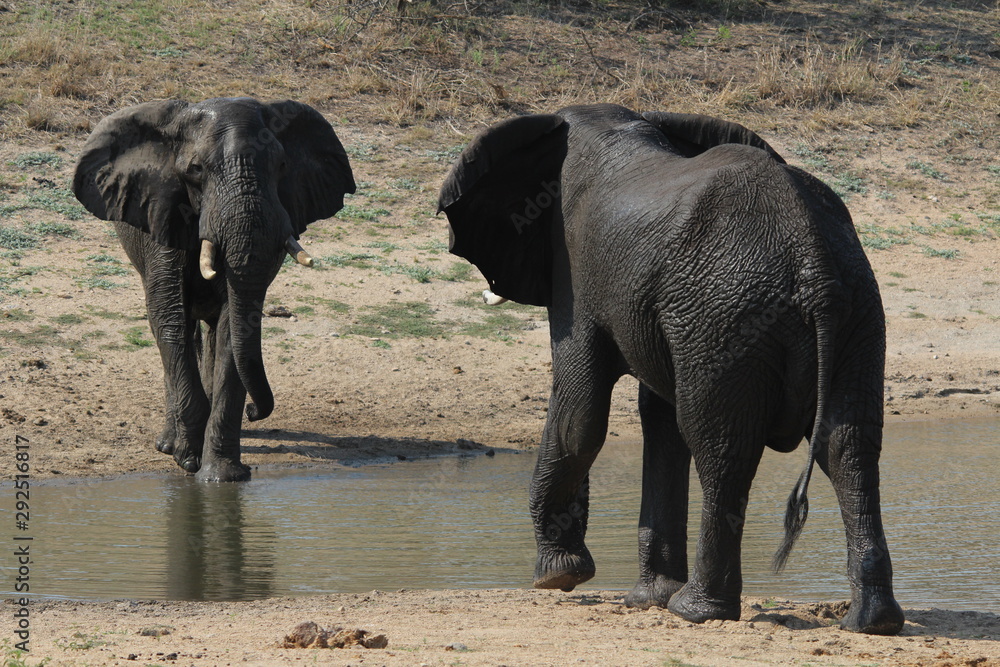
point(165, 443)
point(563, 570)
point(186, 454)
point(223, 470)
point(874, 614)
point(694, 606)
point(655, 593)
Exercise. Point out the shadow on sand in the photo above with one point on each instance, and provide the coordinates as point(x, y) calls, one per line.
point(356, 449)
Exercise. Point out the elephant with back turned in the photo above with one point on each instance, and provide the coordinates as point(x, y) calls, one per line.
point(207, 198)
point(682, 250)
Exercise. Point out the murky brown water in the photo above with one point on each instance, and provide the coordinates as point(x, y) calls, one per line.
point(463, 523)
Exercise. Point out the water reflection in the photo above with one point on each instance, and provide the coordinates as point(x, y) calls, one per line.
point(463, 523)
point(214, 551)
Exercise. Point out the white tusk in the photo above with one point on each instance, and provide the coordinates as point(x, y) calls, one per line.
point(207, 259)
point(298, 254)
point(492, 299)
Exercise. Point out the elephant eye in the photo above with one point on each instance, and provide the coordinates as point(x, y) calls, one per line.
point(194, 170)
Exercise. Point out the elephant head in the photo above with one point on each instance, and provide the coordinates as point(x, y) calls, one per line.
point(240, 178)
point(504, 223)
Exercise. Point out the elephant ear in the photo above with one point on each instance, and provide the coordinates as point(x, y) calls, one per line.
point(126, 172)
point(319, 173)
point(501, 198)
point(693, 134)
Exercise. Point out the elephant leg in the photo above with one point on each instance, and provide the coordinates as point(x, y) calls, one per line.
point(221, 458)
point(726, 467)
point(666, 461)
point(852, 465)
point(187, 406)
point(165, 441)
point(574, 433)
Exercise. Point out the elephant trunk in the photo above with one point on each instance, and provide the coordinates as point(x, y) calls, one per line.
point(244, 322)
point(245, 314)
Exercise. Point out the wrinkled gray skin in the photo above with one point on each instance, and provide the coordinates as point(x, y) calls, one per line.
point(245, 176)
point(682, 250)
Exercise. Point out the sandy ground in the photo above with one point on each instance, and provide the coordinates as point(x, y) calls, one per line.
point(494, 627)
point(354, 383)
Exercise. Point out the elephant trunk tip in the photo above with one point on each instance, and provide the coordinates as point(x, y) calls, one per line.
point(256, 413)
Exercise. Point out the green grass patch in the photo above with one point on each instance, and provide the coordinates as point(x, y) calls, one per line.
point(329, 304)
point(361, 214)
point(458, 272)
point(496, 325)
point(360, 150)
point(106, 314)
point(446, 154)
point(13, 238)
point(40, 336)
point(17, 315)
point(110, 270)
point(881, 242)
point(849, 184)
point(925, 169)
point(410, 184)
point(103, 258)
point(99, 282)
point(36, 159)
point(136, 337)
point(57, 200)
point(411, 319)
point(354, 260)
point(386, 247)
point(943, 253)
point(53, 229)
point(811, 159)
point(67, 319)
point(434, 247)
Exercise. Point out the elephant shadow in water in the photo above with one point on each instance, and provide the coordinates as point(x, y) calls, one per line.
point(215, 551)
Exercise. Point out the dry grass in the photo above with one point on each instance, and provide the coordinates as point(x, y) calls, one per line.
point(796, 64)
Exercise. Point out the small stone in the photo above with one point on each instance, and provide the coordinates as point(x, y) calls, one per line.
point(41, 421)
point(457, 370)
point(456, 646)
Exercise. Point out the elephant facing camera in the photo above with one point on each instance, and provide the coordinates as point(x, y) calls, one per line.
point(683, 250)
point(207, 199)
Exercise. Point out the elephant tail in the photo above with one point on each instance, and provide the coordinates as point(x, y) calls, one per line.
point(798, 504)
